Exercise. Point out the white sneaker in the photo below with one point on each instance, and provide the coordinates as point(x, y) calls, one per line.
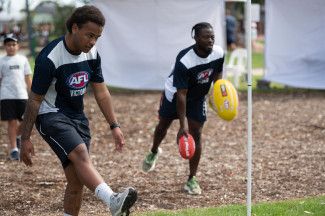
point(121, 203)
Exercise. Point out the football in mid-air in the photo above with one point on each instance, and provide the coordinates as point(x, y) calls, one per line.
point(186, 146)
point(224, 99)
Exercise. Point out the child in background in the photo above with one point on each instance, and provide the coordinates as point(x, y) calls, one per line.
point(15, 83)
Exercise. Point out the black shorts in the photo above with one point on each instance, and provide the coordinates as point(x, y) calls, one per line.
point(63, 134)
point(195, 109)
point(12, 109)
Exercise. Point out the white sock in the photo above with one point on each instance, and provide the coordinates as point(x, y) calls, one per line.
point(104, 192)
point(14, 149)
point(66, 214)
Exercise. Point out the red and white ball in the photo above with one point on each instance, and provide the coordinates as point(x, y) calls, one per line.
point(186, 146)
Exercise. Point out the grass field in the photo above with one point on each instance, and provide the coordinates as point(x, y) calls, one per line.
point(257, 60)
point(310, 206)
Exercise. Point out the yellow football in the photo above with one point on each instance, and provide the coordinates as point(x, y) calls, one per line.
point(224, 99)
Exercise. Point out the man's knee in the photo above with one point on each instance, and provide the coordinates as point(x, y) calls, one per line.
point(162, 127)
point(80, 153)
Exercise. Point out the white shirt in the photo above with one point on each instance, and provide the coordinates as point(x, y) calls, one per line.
point(13, 70)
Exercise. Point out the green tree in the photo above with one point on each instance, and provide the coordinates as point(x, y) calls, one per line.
point(261, 2)
point(63, 12)
point(85, 1)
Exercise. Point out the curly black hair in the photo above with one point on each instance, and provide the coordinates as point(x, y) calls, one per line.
point(84, 14)
point(197, 28)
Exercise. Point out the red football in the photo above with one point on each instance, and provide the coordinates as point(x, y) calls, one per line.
point(186, 146)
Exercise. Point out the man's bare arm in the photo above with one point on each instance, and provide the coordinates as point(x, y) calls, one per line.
point(104, 101)
point(181, 106)
point(181, 112)
point(28, 80)
point(33, 105)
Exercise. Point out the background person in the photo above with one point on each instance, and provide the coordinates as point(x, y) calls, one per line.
point(63, 70)
point(231, 30)
point(195, 69)
point(15, 82)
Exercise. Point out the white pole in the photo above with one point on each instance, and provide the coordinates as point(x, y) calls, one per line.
point(249, 107)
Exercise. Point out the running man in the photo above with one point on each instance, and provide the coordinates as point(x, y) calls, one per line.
point(195, 69)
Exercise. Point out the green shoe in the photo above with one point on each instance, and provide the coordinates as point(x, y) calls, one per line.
point(192, 186)
point(149, 162)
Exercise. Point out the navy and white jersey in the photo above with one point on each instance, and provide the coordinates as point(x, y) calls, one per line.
point(194, 73)
point(63, 78)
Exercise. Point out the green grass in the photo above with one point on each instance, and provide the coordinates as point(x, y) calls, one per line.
point(310, 206)
point(273, 87)
point(257, 60)
point(32, 63)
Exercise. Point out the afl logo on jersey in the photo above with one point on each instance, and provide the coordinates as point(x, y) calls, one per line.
point(203, 76)
point(78, 80)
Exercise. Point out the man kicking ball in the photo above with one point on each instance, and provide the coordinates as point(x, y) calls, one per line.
point(63, 70)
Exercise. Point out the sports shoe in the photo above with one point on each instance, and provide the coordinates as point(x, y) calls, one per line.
point(149, 162)
point(120, 203)
point(192, 186)
point(14, 155)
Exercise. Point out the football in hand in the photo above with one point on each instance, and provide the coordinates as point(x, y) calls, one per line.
point(186, 146)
